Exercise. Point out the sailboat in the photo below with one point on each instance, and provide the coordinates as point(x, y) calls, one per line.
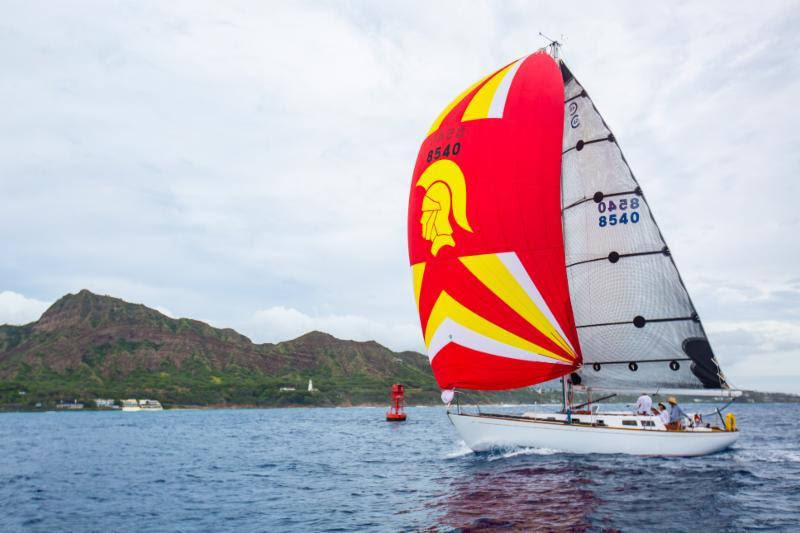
point(535, 256)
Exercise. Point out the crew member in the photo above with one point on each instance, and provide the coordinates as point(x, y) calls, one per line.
point(643, 405)
point(676, 415)
point(663, 413)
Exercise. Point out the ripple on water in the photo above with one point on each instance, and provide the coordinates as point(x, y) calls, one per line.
point(346, 469)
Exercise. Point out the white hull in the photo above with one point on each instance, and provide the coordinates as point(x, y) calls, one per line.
point(486, 432)
point(131, 409)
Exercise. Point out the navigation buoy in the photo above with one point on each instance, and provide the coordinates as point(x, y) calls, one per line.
point(395, 412)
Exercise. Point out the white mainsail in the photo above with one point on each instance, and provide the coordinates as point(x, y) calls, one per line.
point(637, 326)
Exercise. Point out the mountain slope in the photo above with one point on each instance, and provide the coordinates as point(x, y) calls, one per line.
point(87, 346)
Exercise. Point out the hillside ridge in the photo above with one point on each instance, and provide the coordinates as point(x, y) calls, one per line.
point(88, 345)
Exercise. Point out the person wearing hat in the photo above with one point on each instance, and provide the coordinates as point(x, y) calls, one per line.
point(676, 414)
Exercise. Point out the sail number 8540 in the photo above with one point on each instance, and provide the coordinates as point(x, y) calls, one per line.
point(433, 155)
point(627, 212)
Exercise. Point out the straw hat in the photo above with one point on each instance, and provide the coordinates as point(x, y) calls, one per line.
point(672, 400)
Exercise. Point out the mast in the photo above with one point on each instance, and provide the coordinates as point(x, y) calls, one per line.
point(553, 47)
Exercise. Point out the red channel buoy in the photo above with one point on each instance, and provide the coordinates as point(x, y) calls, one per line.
point(395, 412)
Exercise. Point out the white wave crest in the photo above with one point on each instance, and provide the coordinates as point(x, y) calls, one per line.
point(775, 456)
point(461, 451)
point(522, 451)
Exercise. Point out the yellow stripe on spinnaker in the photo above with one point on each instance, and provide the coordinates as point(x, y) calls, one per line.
point(491, 271)
point(417, 271)
point(479, 105)
point(443, 114)
point(447, 307)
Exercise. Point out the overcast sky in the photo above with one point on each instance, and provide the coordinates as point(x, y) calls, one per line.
point(248, 164)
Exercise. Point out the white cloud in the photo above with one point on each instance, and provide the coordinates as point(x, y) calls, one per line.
point(16, 309)
point(762, 355)
point(222, 159)
point(282, 323)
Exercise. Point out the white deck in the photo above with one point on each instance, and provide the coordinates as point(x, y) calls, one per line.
point(614, 419)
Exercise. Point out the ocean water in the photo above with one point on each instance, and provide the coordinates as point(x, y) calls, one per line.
point(348, 469)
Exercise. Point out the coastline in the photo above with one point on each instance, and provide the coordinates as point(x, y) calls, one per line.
point(230, 407)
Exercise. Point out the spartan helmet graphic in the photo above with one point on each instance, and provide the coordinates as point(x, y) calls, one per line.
point(445, 191)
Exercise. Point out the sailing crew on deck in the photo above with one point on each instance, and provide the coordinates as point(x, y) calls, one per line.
point(676, 414)
point(663, 413)
point(698, 421)
point(643, 405)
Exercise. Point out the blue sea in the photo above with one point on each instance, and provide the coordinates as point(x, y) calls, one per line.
point(348, 469)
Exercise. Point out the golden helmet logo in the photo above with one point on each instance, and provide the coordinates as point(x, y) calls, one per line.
point(445, 192)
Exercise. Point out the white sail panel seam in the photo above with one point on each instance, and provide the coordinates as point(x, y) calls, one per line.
point(517, 269)
point(498, 104)
point(451, 331)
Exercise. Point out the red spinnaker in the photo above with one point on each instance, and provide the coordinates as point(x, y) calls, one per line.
point(484, 234)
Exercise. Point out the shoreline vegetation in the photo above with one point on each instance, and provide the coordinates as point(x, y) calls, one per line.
point(87, 347)
point(748, 397)
point(521, 397)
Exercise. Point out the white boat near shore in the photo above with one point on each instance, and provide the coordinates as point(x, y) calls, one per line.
point(150, 405)
point(132, 405)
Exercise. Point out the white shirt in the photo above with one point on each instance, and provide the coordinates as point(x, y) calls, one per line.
point(643, 405)
point(664, 415)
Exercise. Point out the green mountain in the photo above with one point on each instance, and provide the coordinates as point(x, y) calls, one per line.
point(89, 346)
